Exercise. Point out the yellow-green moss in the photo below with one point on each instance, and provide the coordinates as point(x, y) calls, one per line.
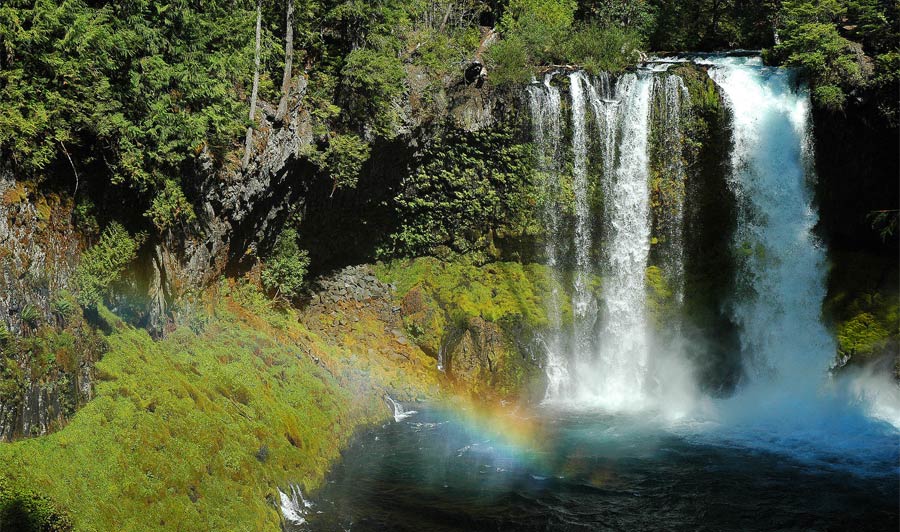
point(494, 292)
point(478, 314)
point(196, 431)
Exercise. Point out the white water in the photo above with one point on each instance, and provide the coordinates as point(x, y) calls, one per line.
point(617, 376)
point(782, 272)
point(789, 403)
point(399, 412)
point(294, 507)
point(584, 305)
point(545, 103)
point(604, 361)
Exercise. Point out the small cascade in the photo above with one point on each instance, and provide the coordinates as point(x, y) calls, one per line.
point(603, 358)
point(294, 508)
point(400, 413)
point(584, 306)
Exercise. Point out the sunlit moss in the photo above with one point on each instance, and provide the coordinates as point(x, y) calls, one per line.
point(173, 438)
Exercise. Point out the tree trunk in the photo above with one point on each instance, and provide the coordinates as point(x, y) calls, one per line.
point(288, 62)
point(249, 145)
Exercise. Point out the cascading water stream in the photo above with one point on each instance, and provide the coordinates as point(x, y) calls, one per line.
point(605, 366)
point(583, 304)
point(623, 352)
point(545, 104)
point(782, 265)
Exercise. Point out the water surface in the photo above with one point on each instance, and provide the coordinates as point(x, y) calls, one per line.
point(437, 471)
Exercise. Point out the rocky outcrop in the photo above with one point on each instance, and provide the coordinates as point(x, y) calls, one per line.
point(39, 248)
point(46, 349)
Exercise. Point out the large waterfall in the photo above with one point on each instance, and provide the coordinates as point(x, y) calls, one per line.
point(615, 198)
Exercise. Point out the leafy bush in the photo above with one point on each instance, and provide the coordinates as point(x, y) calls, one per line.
point(103, 263)
point(377, 79)
point(508, 62)
point(603, 48)
point(544, 33)
point(286, 267)
point(467, 186)
point(841, 46)
point(170, 206)
point(344, 159)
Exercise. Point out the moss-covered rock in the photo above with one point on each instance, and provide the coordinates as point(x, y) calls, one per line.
point(478, 321)
point(863, 308)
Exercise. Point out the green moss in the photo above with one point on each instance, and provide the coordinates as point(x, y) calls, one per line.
point(861, 336)
point(478, 316)
point(863, 305)
point(660, 301)
point(497, 292)
point(173, 437)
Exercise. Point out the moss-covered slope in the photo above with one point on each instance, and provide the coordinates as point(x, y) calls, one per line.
point(195, 432)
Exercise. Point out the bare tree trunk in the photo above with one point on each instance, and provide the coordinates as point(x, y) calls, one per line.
point(253, 95)
point(288, 62)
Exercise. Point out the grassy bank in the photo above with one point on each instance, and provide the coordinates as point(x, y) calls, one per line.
point(195, 432)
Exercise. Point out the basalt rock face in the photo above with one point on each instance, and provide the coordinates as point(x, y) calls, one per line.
point(46, 350)
point(39, 248)
point(857, 156)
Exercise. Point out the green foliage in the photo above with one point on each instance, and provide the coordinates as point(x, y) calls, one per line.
point(509, 62)
point(709, 25)
point(541, 26)
point(468, 186)
point(597, 48)
point(344, 158)
point(138, 88)
point(285, 269)
point(169, 207)
point(842, 46)
point(544, 33)
point(885, 222)
point(103, 263)
point(30, 315)
point(378, 80)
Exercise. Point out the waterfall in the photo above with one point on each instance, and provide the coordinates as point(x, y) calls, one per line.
point(583, 305)
point(781, 277)
point(397, 409)
point(624, 344)
point(545, 104)
point(603, 359)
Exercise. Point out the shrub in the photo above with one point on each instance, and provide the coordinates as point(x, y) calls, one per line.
point(507, 61)
point(377, 79)
point(103, 263)
point(344, 159)
point(286, 267)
